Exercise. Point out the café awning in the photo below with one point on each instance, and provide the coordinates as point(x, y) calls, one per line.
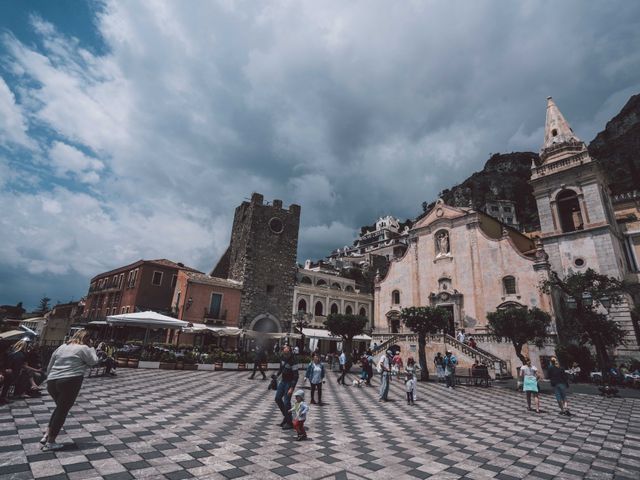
point(147, 319)
point(204, 328)
point(322, 334)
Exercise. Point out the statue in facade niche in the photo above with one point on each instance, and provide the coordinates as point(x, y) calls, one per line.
point(442, 243)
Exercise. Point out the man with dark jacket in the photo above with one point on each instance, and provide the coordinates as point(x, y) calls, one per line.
point(288, 374)
point(259, 360)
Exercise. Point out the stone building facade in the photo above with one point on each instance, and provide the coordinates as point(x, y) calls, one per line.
point(319, 294)
point(262, 258)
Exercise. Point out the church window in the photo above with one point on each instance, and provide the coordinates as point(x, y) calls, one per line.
point(302, 305)
point(554, 132)
point(348, 310)
point(319, 310)
point(395, 297)
point(569, 211)
point(334, 308)
point(305, 280)
point(363, 312)
point(579, 262)
point(509, 285)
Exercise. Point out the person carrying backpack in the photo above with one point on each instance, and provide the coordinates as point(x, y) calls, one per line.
point(449, 362)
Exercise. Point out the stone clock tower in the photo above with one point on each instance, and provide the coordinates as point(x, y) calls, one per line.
point(262, 256)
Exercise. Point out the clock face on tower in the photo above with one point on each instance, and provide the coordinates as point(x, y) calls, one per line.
point(276, 225)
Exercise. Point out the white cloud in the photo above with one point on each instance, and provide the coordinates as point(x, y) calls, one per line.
point(66, 160)
point(13, 125)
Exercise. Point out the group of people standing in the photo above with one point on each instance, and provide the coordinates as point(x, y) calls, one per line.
point(446, 368)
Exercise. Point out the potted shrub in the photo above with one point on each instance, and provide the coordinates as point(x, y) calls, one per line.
point(206, 362)
point(167, 361)
point(121, 360)
point(149, 359)
point(133, 361)
point(189, 361)
point(229, 361)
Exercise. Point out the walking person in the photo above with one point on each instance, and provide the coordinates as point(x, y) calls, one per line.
point(438, 361)
point(64, 378)
point(412, 369)
point(315, 375)
point(450, 361)
point(369, 355)
point(16, 360)
point(530, 379)
point(288, 379)
point(260, 359)
point(396, 364)
point(342, 359)
point(299, 414)
point(384, 367)
point(560, 382)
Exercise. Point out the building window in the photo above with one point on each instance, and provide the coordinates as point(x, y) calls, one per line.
point(349, 289)
point(302, 305)
point(495, 208)
point(334, 308)
point(507, 209)
point(348, 310)
point(395, 297)
point(157, 279)
point(120, 280)
point(319, 309)
point(174, 281)
point(363, 312)
point(569, 212)
point(321, 283)
point(214, 305)
point(579, 262)
point(336, 286)
point(509, 285)
point(305, 280)
point(270, 289)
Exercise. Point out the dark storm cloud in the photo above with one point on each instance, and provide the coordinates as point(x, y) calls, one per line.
point(351, 110)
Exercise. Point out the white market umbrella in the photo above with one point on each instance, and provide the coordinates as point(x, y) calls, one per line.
point(146, 320)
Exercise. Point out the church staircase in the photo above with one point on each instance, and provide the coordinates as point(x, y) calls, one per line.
point(464, 353)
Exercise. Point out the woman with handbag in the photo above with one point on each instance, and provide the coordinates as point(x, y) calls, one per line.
point(530, 378)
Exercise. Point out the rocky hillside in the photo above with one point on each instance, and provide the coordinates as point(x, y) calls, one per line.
point(506, 176)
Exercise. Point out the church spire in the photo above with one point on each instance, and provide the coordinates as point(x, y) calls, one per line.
point(558, 135)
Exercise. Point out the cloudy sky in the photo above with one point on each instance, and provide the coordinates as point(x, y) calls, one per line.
point(132, 129)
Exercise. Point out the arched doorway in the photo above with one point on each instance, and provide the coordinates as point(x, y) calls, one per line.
point(569, 212)
point(262, 329)
point(393, 320)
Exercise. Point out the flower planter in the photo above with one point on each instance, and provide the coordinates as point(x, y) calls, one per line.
point(122, 362)
point(217, 366)
point(242, 366)
point(206, 366)
point(190, 366)
point(263, 366)
point(146, 364)
point(167, 365)
point(133, 362)
point(230, 366)
point(273, 366)
point(250, 366)
point(179, 365)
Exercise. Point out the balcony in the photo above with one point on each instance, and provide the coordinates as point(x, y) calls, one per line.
point(214, 318)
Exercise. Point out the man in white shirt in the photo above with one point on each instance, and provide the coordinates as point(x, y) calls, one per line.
point(461, 336)
point(384, 365)
point(343, 367)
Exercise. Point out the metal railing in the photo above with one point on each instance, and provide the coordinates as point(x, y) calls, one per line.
point(500, 366)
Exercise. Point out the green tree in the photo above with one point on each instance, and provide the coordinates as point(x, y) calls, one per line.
point(43, 306)
point(424, 321)
point(520, 325)
point(585, 294)
point(346, 326)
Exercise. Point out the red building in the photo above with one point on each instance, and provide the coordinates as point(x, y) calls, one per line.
point(142, 285)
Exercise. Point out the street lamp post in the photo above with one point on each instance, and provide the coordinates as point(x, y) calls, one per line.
point(300, 323)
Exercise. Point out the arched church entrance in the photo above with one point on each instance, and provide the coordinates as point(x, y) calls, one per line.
point(393, 321)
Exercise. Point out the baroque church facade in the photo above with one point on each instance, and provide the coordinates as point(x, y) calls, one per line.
point(470, 263)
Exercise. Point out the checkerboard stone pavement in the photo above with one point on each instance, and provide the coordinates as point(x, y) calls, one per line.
point(209, 425)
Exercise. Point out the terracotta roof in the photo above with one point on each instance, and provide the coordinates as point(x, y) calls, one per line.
point(161, 261)
point(198, 277)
